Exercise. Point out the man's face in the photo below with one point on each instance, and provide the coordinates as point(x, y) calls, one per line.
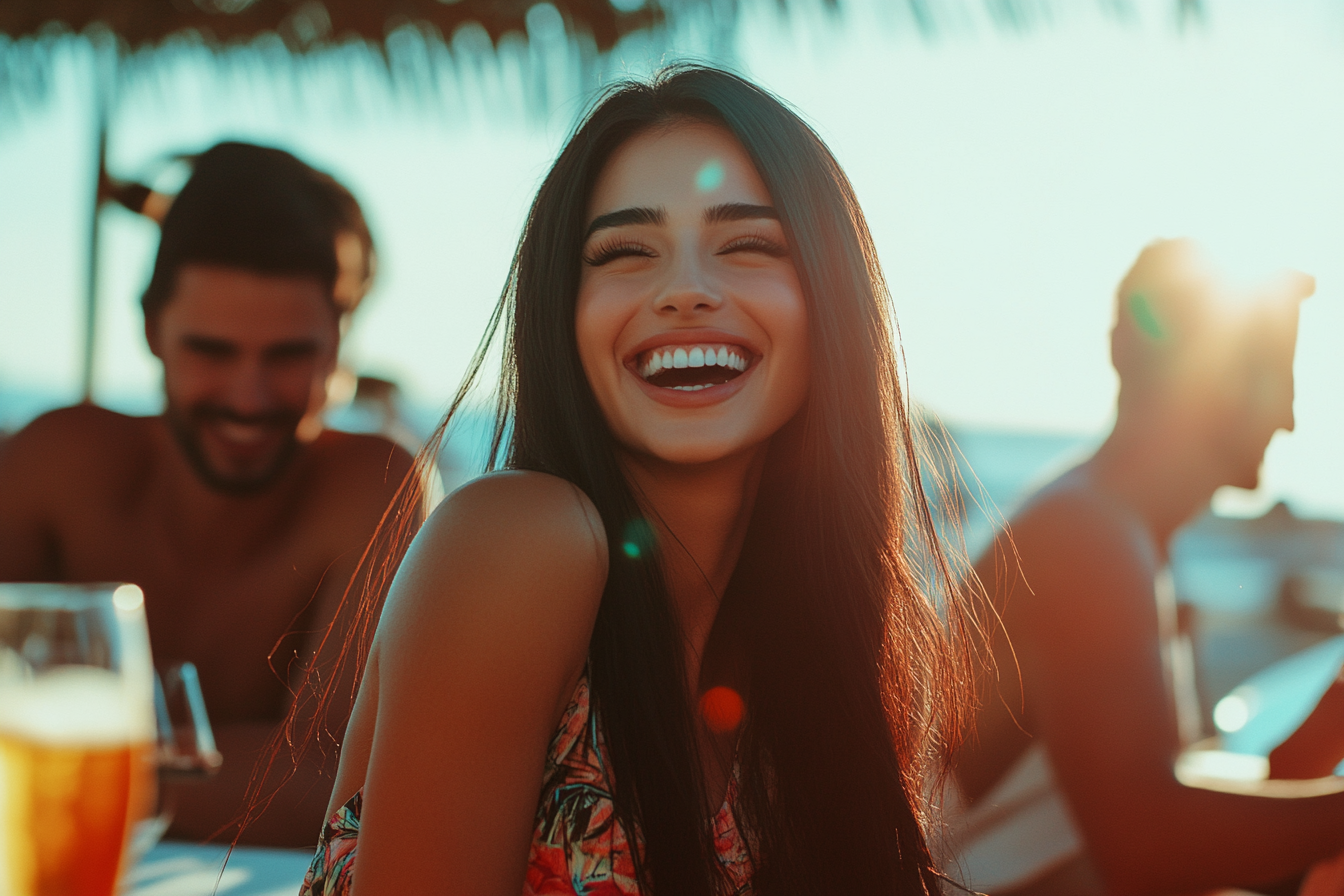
point(1260, 390)
point(245, 357)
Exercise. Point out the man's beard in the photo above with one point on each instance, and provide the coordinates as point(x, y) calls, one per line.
point(185, 426)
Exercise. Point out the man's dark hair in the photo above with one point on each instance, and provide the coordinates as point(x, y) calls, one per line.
point(261, 209)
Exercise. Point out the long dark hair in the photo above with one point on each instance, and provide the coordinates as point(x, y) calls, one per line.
point(857, 651)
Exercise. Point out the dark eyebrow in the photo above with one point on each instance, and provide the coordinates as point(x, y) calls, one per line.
point(626, 216)
point(293, 348)
point(209, 345)
point(738, 211)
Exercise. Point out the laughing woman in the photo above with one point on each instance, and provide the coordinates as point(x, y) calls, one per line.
point(680, 644)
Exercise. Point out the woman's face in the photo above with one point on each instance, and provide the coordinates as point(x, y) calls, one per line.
point(691, 324)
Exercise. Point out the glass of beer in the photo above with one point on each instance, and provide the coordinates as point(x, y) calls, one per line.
point(77, 736)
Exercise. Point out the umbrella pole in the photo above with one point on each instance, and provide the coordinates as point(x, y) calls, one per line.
point(91, 278)
point(90, 335)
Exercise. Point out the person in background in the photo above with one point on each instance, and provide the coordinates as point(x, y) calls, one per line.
point(1073, 761)
point(240, 516)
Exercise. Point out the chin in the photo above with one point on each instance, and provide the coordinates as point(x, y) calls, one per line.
point(694, 452)
point(227, 475)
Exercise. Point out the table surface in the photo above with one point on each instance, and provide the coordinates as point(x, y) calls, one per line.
point(192, 869)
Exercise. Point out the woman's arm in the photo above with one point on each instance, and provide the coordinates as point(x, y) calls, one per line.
point(481, 643)
point(1089, 640)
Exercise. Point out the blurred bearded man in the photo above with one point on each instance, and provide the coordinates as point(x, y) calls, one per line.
point(241, 517)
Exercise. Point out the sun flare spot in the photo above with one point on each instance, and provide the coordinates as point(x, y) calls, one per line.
point(721, 708)
point(709, 177)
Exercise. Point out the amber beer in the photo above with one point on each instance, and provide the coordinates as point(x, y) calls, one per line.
point(77, 747)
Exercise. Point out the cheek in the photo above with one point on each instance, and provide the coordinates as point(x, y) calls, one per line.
point(295, 383)
point(599, 318)
point(791, 338)
point(188, 378)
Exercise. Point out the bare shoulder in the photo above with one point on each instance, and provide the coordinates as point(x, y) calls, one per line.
point(365, 458)
point(1071, 545)
point(480, 646)
point(70, 427)
point(538, 504)
point(520, 557)
point(353, 478)
point(533, 523)
point(74, 444)
point(1075, 519)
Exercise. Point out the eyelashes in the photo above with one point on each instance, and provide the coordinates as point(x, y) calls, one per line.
point(618, 248)
point(613, 249)
point(756, 243)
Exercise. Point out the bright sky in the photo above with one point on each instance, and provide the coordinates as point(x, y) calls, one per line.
point(1009, 179)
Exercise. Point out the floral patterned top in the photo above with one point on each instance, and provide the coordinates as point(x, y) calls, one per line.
point(578, 847)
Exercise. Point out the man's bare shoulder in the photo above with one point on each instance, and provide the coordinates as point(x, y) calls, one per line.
point(78, 442)
point(1073, 514)
point(78, 422)
point(344, 451)
point(359, 464)
point(1072, 542)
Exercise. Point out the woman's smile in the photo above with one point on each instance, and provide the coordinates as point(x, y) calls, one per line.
point(692, 368)
point(699, 367)
point(691, 323)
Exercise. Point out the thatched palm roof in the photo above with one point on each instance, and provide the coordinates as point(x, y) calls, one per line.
point(308, 23)
point(130, 36)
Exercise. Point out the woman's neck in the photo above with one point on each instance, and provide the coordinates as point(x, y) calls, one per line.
point(700, 514)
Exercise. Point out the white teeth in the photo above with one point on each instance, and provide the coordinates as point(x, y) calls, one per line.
point(696, 388)
point(692, 356)
point(243, 433)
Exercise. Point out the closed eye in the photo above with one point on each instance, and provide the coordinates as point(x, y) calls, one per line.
point(614, 249)
point(756, 243)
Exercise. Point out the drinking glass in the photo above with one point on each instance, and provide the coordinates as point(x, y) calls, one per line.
point(77, 736)
point(186, 750)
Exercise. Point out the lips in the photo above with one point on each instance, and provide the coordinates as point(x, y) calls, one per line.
point(241, 441)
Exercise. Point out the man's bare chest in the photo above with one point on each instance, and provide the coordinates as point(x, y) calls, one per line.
point(236, 606)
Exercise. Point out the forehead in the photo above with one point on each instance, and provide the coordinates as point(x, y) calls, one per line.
point(685, 164)
point(246, 306)
point(1269, 337)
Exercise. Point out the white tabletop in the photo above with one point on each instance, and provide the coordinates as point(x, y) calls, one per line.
point(190, 869)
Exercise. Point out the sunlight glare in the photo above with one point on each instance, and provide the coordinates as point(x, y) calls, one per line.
point(709, 177)
point(1232, 712)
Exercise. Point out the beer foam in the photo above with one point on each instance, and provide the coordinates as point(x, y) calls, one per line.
point(76, 706)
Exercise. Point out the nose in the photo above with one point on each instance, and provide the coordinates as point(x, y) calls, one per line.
point(690, 290)
point(1288, 422)
point(248, 391)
